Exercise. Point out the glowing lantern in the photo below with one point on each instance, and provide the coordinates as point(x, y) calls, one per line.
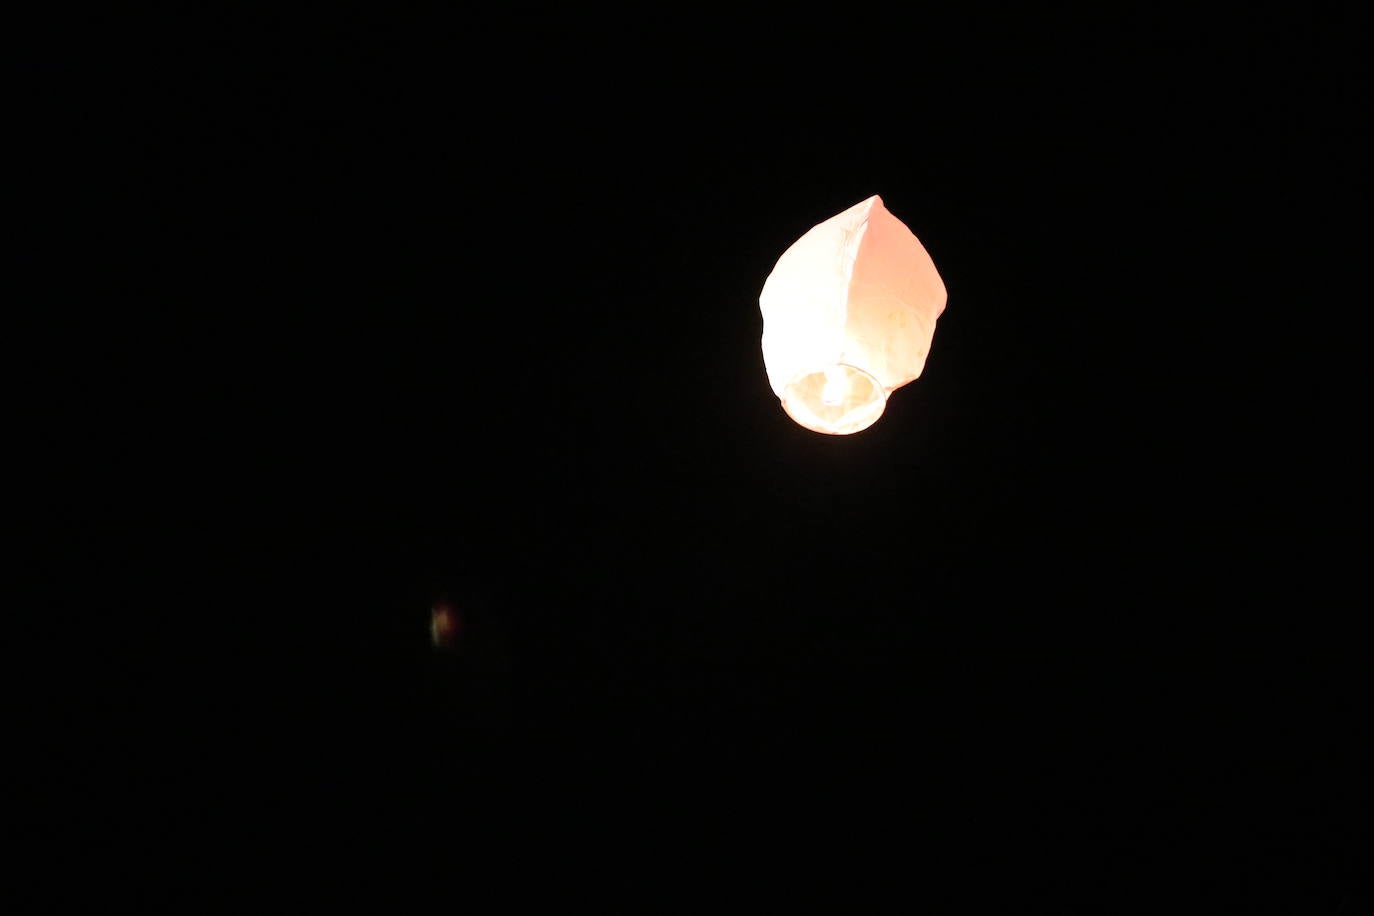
point(848, 315)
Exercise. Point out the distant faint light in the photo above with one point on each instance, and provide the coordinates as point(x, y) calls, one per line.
point(849, 313)
point(445, 625)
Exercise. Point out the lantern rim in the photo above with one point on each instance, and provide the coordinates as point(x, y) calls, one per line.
point(858, 400)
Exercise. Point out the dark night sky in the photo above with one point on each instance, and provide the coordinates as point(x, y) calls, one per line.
point(371, 309)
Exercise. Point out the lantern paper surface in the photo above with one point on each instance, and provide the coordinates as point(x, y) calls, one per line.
point(849, 312)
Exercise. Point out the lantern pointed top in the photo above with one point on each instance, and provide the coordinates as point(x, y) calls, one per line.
point(862, 209)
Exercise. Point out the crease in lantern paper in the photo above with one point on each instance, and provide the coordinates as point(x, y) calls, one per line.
point(849, 255)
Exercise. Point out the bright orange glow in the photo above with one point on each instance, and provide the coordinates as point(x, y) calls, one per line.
point(849, 313)
point(834, 391)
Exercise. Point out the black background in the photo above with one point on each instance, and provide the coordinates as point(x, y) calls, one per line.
point(338, 314)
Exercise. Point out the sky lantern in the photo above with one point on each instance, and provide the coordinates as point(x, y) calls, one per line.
point(445, 625)
point(848, 316)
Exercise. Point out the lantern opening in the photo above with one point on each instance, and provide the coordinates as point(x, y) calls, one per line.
point(837, 400)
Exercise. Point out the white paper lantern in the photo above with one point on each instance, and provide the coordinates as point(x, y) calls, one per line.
point(848, 316)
